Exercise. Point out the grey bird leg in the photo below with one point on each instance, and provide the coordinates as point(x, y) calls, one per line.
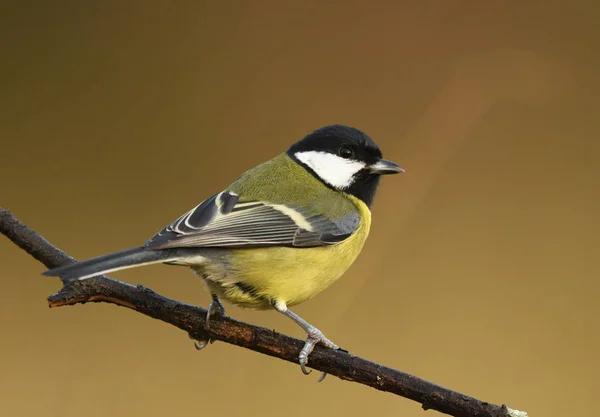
point(215, 308)
point(314, 336)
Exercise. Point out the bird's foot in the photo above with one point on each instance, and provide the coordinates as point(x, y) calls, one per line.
point(216, 309)
point(314, 336)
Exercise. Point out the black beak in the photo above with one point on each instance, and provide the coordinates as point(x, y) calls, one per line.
point(384, 167)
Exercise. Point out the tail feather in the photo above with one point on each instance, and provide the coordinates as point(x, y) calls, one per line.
point(128, 258)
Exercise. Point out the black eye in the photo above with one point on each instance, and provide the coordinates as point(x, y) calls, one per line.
point(346, 152)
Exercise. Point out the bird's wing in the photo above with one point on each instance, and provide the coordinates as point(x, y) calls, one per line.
point(225, 221)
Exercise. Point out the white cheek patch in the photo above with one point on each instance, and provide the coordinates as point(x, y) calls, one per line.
point(334, 170)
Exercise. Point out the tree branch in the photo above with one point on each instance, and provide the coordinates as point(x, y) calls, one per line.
point(192, 320)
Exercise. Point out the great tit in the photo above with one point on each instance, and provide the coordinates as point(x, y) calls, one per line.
point(280, 234)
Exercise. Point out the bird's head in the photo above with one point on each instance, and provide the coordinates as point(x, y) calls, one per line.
point(343, 158)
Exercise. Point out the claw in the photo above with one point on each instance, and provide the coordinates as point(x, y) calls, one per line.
point(304, 370)
point(201, 344)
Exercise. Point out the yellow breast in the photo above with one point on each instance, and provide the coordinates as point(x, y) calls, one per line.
point(291, 275)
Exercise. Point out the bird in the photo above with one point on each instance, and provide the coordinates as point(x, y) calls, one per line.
point(280, 234)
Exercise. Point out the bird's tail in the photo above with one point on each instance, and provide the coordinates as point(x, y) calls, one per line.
point(128, 258)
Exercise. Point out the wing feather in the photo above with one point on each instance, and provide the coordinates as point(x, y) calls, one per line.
point(224, 221)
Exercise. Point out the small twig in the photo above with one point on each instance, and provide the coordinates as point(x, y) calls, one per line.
point(192, 320)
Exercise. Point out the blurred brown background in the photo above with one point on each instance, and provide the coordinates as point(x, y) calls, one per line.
point(481, 271)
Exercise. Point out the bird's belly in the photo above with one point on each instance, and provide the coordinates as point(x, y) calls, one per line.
point(293, 275)
point(258, 277)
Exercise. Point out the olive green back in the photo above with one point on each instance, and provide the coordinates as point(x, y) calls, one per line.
point(282, 181)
